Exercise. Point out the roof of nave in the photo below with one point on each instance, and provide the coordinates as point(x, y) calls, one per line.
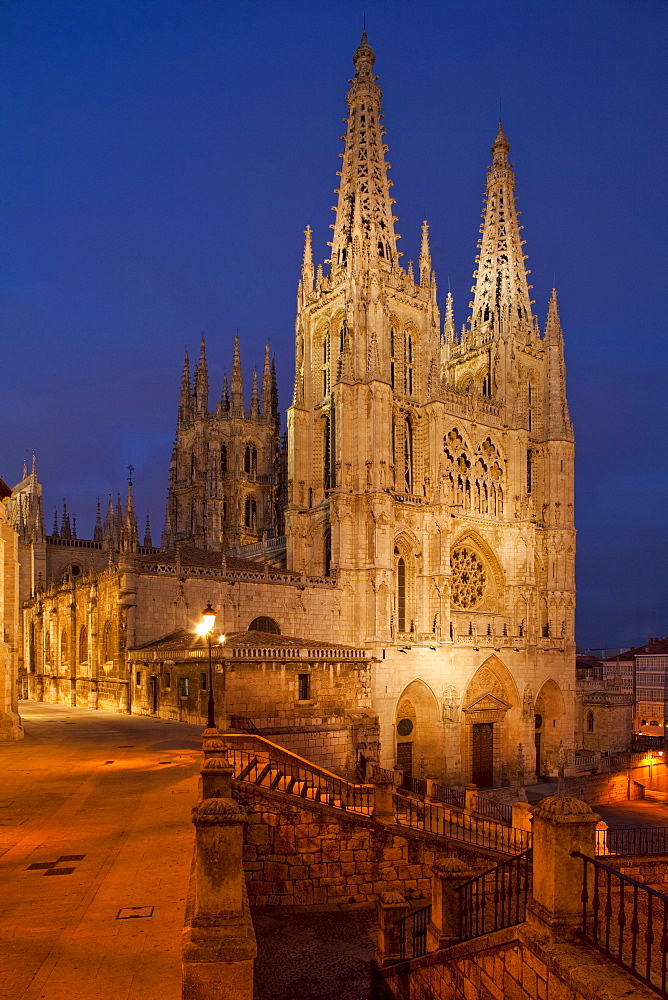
point(653, 646)
point(190, 555)
point(183, 639)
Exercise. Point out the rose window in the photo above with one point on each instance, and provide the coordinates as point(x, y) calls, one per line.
point(468, 578)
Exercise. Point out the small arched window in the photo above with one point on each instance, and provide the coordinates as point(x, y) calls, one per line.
point(106, 642)
point(590, 722)
point(83, 645)
point(264, 624)
point(223, 458)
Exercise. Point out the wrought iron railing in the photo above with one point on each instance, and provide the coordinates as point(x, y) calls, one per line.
point(411, 784)
point(495, 899)
point(634, 840)
point(450, 796)
point(412, 931)
point(627, 921)
point(296, 779)
point(502, 812)
point(433, 818)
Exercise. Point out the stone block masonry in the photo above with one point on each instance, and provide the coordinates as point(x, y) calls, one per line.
point(297, 854)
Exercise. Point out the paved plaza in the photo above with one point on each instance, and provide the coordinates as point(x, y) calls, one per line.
point(95, 854)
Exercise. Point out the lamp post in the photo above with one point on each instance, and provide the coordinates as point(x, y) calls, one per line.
point(206, 628)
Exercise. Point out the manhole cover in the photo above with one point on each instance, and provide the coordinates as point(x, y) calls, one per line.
point(131, 912)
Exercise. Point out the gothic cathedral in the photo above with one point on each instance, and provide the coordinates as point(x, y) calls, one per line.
point(432, 473)
point(416, 601)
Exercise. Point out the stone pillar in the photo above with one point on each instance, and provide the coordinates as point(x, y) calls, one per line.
point(447, 875)
point(470, 798)
point(392, 906)
point(92, 693)
point(124, 697)
point(383, 799)
point(429, 795)
point(219, 941)
point(522, 816)
point(561, 825)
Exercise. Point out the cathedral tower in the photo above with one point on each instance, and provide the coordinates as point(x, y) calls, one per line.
point(224, 474)
point(432, 474)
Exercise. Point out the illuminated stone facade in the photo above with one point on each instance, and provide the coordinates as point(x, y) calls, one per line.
point(429, 506)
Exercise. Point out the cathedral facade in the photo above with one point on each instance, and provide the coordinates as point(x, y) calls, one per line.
point(421, 513)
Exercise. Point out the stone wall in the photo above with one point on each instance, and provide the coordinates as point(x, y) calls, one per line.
point(511, 965)
point(299, 854)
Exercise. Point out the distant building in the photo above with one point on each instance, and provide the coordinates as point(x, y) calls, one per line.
point(648, 668)
point(10, 723)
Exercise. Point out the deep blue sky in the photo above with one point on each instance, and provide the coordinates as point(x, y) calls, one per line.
point(161, 160)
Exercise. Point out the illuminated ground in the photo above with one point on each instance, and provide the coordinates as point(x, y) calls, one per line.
point(105, 800)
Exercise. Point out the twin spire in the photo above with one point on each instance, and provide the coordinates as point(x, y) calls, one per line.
point(364, 219)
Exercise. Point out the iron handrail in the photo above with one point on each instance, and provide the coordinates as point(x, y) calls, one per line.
point(502, 812)
point(434, 818)
point(627, 921)
point(292, 779)
point(496, 898)
point(633, 840)
point(412, 931)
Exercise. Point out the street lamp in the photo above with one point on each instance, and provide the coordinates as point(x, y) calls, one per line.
point(205, 629)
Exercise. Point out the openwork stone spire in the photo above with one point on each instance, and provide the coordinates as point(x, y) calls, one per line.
point(364, 217)
point(501, 294)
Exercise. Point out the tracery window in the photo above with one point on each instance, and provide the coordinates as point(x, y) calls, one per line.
point(408, 364)
point(468, 578)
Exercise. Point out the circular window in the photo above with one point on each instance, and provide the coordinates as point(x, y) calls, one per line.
point(538, 720)
point(468, 578)
point(404, 727)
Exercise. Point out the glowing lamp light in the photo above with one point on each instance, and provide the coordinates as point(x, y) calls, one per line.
point(208, 619)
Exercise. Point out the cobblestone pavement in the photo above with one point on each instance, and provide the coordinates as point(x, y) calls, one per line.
point(314, 953)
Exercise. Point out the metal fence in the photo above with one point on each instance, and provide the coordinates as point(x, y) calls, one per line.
point(496, 898)
point(634, 840)
point(412, 931)
point(627, 921)
point(502, 812)
point(450, 796)
point(433, 818)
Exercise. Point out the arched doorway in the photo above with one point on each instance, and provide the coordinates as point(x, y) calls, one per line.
point(490, 711)
point(549, 727)
point(418, 732)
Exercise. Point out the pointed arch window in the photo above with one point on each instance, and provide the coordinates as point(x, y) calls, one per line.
point(327, 455)
point(63, 646)
point(408, 364)
point(223, 458)
point(401, 595)
point(106, 641)
point(327, 554)
point(250, 512)
point(325, 364)
point(590, 722)
point(83, 645)
point(193, 463)
point(250, 460)
point(408, 455)
point(529, 410)
point(529, 472)
point(392, 357)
